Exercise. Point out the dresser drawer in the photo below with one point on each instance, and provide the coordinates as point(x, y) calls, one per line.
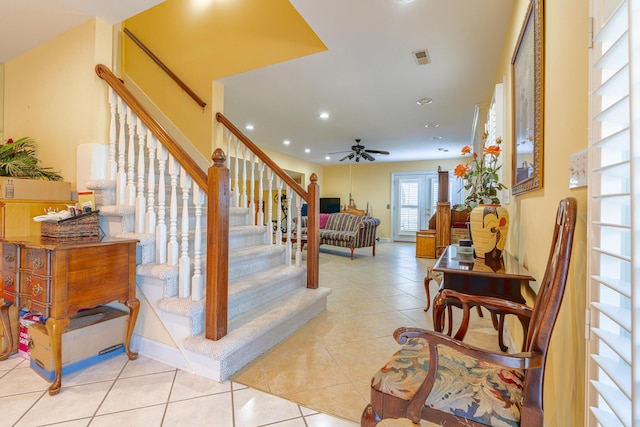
point(36, 260)
point(9, 281)
point(9, 256)
point(34, 287)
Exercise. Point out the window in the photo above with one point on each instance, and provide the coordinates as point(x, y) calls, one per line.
point(613, 364)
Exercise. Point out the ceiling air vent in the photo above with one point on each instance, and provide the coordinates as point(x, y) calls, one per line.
point(421, 57)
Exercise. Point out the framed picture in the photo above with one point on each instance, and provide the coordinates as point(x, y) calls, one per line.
point(527, 67)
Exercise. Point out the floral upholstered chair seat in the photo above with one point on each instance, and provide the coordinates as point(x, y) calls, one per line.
point(489, 394)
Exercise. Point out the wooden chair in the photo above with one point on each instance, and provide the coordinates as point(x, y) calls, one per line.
point(408, 387)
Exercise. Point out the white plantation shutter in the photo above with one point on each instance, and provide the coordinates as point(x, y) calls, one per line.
point(613, 364)
point(409, 209)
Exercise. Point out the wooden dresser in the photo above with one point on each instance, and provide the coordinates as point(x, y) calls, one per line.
point(59, 278)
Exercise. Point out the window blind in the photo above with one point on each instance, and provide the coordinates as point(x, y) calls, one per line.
point(613, 331)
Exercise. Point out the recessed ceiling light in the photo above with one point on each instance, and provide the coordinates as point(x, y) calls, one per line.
point(306, 150)
point(424, 101)
point(327, 157)
point(324, 115)
point(286, 142)
point(431, 125)
point(436, 137)
point(249, 126)
point(404, 1)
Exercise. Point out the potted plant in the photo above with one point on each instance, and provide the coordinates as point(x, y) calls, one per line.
point(489, 221)
point(18, 159)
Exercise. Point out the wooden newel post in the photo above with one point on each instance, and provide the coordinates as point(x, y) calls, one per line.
point(313, 233)
point(217, 248)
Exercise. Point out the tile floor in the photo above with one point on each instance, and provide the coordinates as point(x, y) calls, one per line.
point(318, 377)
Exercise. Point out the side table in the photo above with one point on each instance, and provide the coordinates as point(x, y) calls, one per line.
point(59, 277)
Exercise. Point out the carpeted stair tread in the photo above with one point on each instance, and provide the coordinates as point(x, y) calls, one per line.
point(243, 336)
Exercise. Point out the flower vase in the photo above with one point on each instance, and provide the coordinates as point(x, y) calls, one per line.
point(489, 227)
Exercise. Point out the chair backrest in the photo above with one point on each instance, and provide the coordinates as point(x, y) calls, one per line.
point(549, 298)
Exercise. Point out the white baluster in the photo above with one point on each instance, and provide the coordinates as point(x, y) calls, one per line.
point(298, 230)
point(236, 190)
point(113, 135)
point(228, 159)
point(261, 195)
point(252, 195)
point(172, 246)
point(244, 177)
point(289, 246)
point(270, 230)
point(184, 278)
point(131, 158)
point(161, 228)
point(150, 220)
point(279, 214)
point(121, 183)
point(140, 200)
point(197, 281)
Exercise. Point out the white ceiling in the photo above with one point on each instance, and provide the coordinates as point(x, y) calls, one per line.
point(367, 80)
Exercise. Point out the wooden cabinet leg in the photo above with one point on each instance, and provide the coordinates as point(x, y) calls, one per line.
point(134, 308)
point(427, 279)
point(55, 327)
point(5, 320)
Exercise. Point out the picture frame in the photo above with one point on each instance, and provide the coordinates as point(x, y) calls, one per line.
point(527, 72)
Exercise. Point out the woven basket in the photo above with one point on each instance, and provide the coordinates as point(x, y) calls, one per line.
point(84, 225)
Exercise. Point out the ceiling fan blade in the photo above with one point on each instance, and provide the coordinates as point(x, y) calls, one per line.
point(348, 156)
point(368, 157)
point(377, 151)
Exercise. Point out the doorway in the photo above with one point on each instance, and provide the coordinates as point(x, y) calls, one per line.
point(414, 200)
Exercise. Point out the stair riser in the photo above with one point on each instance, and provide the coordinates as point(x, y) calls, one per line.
point(247, 307)
point(245, 267)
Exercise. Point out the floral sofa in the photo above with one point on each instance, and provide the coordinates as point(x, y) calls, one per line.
point(346, 230)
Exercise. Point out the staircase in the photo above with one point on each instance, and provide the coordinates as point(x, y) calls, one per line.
point(149, 196)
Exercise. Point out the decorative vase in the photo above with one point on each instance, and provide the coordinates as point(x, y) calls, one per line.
point(489, 227)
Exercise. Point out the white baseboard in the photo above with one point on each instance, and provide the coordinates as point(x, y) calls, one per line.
point(159, 352)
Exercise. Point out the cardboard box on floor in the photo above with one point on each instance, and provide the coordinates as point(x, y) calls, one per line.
point(91, 337)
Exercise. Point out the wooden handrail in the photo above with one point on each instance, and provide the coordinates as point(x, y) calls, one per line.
point(166, 69)
point(189, 165)
point(262, 156)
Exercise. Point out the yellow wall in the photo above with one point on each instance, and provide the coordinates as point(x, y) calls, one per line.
point(533, 214)
point(200, 44)
point(53, 95)
point(370, 183)
point(2, 102)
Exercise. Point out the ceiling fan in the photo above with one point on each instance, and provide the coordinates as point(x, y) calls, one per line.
point(358, 151)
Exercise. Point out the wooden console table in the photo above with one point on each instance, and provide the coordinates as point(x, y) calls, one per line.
point(463, 273)
point(58, 278)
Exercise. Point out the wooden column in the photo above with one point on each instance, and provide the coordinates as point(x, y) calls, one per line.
point(217, 283)
point(313, 233)
point(443, 213)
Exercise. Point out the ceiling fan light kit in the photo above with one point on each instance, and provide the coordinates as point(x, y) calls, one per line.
point(359, 152)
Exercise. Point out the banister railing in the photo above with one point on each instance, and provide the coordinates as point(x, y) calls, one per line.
point(150, 167)
point(198, 175)
point(166, 69)
point(311, 197)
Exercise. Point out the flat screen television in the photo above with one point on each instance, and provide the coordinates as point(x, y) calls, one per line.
point(329, 204)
